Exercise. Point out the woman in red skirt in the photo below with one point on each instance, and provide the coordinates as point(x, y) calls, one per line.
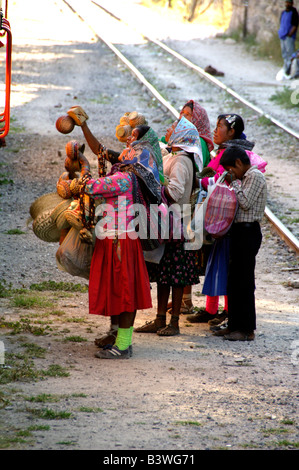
point(119, 282)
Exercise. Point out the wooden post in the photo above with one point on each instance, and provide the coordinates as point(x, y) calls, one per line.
point(245, 18)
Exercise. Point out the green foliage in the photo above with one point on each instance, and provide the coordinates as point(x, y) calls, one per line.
point(284, 98)
point(56, 286)
point(47, 413)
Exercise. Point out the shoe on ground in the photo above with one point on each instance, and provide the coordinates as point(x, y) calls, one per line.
point(219, 318)
point(222, 332)
point(202, 316)
point(109, 346)
point(108, 338)
point(150, 327)
point(113, 352)
point(221, 326)
point(239, 336)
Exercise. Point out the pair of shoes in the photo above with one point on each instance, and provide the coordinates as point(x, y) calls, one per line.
point(202, 316)
point(150, 327)
point(239, 336)
point(108, 338)
point(113, 352)
point(219, 318)
point(222, 332)
point(168, 330)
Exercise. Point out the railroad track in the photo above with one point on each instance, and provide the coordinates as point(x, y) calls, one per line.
point(79, 9)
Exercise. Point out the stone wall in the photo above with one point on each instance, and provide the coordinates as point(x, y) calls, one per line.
point(262, 17)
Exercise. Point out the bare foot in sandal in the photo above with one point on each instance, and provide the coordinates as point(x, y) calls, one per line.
point(169, 330)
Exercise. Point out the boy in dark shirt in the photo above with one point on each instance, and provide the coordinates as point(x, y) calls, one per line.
point(251, 191)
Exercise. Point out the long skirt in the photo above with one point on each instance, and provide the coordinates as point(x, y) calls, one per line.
point(118, 280)
point(215, 282)
point(178, 267)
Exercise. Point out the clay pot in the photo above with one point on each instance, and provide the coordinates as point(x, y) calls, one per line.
point(65, 124)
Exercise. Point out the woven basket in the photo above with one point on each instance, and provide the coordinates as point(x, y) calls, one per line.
point(123, 132)
point(60, 208)
point(63, 188)
point(124, 120)
point(45, 228)
point(43, 203)
point(62, 222)
point(136, 119)
point(58, 214)
point(73, 215)
point(75, 187)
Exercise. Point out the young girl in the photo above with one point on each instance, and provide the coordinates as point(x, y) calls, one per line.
point(177, 267)
point(229, 131)
point(119, 283)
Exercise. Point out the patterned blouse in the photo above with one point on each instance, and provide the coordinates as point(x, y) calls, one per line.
point(116, 196)
point(251, 195)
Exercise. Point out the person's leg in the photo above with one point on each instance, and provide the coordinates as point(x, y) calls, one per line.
point(110, 336)
point(173, 327)
point(287, 49)
point(153, 326)
point(245, 244)
point(124, 333)
point(212, 304)
point(187, 305)
point(290, 49)
point(121, 348)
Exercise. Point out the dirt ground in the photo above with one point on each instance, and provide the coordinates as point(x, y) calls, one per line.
point(190, 392)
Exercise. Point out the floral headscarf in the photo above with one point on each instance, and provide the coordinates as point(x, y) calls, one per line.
point(201, 121)
point(185, 136)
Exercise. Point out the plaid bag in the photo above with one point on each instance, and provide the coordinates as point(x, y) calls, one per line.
point(221, 210)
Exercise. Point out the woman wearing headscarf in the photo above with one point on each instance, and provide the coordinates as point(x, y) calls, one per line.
point(196, 114)
point(119, 283)
point(144, 134)
point(177, 267)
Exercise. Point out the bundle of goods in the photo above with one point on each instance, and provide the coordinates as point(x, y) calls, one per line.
point(67, 215)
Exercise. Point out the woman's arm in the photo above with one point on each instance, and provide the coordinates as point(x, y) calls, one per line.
point(94, 144)
point(96, 147)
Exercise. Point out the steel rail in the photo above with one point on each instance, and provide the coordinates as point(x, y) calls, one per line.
point(281, 230)
point(205, 75)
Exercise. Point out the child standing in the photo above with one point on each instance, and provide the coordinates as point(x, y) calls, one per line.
point(245, 240)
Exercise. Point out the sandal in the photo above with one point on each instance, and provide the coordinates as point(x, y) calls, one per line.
point(186, 310)
point(151, 326)
point(108, 338)
point(169, 330)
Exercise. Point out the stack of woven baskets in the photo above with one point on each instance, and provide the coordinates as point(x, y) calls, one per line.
point(127, 123)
